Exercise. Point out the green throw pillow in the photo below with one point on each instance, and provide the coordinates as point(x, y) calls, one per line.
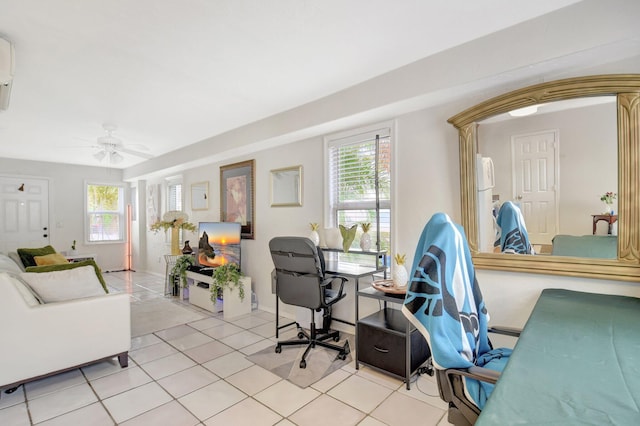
point(62, 267)
point(27, 254)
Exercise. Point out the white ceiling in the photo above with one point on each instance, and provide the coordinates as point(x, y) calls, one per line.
point(170, 73)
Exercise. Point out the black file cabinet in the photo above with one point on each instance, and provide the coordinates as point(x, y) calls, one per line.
point(386, 340)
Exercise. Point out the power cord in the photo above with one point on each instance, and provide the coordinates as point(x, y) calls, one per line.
point(428, 370)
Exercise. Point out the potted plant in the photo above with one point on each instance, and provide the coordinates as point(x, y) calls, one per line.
point(227, 275)
point(180, 268)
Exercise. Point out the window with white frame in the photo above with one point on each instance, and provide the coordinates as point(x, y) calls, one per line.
point(359, 183)
point(174, 196)
point(104, 213)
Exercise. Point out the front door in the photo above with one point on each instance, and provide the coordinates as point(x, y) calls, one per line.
point(535, 183)
point(24, 220)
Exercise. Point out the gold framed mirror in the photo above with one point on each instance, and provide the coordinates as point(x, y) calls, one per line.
point(626, 90)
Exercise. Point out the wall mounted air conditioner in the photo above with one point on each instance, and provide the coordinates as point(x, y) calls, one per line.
point(6, 72)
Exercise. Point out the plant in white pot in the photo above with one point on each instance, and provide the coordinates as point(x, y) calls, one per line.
point(227, 275)
point(224, 280)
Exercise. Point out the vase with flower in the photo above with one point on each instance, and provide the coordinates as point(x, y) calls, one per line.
point(175, 221)
point(607, 198)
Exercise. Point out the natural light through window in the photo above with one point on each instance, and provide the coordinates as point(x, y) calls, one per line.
point(104, 213)
point(359, 183)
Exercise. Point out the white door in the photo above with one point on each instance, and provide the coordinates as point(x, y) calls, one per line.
point(24, 220)
point(535, 182)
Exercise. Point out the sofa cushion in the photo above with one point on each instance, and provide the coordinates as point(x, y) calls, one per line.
point(67, 266)
point(64, 285)
point(27, 254)
point(9, 265)
point(30, 298)
point(50, 259)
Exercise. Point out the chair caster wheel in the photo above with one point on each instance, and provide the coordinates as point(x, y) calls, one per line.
point(342, 356)
point(336, 338)
point(12, 390)
point(278, 349)
point(303, 364)
point(300, 334)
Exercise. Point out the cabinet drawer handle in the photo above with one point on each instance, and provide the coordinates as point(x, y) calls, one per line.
point(384, 351)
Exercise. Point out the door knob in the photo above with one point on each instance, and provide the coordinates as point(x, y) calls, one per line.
point(519, 197)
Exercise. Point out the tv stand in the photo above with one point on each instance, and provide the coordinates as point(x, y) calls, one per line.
point(200, 295)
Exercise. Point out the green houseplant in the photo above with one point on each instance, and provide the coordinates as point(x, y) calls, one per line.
point(227, 275)
point(181, 266)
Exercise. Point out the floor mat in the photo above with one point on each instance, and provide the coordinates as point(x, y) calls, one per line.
point(320, 362)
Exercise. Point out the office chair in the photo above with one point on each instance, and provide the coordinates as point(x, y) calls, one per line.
point(445, 304)
point(513, 236)
point(300, 281)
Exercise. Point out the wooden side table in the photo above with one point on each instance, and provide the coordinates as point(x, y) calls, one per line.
point(609, 218)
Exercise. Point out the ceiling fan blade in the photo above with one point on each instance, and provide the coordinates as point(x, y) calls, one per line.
point(136, 153)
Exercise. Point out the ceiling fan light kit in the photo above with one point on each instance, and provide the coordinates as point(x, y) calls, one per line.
point(111, 146)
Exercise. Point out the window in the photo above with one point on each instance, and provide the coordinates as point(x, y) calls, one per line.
point(174, 196)
point(105, 213)
point(353, 160)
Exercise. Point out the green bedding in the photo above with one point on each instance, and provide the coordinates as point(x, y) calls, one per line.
point(598, 246)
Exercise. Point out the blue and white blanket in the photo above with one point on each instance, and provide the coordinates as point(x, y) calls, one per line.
point(445, 304)
point(512, 235)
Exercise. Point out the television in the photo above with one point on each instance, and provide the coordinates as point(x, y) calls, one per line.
point(218, 244)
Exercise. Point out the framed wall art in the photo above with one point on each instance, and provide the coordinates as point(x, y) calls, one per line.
point(237, 196)
point(286, 187)
point(200, 196)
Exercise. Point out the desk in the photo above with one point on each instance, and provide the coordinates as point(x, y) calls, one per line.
point(609, 218)
point(355, 272)
point(348, 270)
point(576, 362)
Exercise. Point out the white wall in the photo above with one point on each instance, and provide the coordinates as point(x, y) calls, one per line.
point(66, 205)
point(588, 159)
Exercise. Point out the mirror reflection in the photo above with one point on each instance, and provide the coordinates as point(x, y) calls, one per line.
point(555, 162)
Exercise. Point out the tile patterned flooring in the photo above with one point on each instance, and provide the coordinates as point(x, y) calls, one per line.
point(197, 374)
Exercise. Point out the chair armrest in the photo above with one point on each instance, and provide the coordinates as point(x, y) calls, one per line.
point(331, 279)
point(478, 373)
point(507, 331)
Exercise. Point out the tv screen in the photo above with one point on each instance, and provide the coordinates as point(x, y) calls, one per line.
point(218, 243)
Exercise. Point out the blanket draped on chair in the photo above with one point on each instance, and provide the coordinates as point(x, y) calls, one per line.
point(445, 304)
point(513, 236)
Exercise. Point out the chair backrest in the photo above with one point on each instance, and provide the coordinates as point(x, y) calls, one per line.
point(299, 271)
point(514, 237)
point(443, 299)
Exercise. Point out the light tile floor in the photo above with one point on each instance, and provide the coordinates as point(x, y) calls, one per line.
point(198, 374)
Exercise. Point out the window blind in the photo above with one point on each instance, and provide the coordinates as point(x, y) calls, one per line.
point(357, 165)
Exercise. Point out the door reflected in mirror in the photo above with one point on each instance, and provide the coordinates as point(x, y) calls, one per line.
point(554, 164)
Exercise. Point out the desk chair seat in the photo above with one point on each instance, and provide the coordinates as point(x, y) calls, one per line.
point(301, 281)
point(445, 304)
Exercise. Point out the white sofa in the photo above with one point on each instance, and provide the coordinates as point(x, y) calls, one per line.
point(41, 339)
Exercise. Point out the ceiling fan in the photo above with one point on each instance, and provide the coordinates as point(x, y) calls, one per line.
point(111, 147)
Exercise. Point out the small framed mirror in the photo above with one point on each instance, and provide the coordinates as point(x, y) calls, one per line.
point(200, 196)
point(286, 187)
